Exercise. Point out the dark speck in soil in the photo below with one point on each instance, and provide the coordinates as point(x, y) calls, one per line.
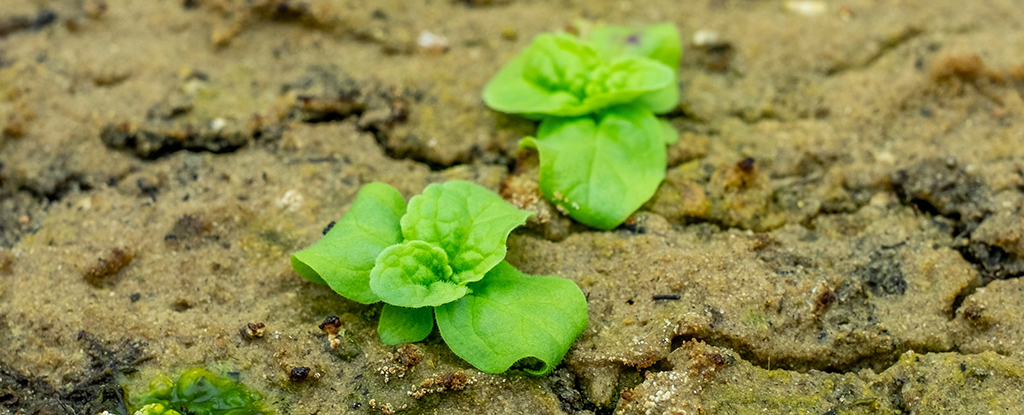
point(883, 275)
point(298, 374)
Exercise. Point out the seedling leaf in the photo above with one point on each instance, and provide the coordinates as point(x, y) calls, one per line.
point(561, 76)
point(670, 131)
point(414, 274)
point(344, 256)
point(469, 222)
point(512, 316)
point(404, 325)
point(660, 42)
point(601, 171)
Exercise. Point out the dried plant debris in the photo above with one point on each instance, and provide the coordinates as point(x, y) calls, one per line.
point(253, 331)
point(453, 381)
point(399, 362)
point(110, 266)
point(343, 343)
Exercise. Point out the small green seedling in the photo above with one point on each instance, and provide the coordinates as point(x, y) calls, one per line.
point(602, 150)
point(560, 75)
point(198, 392)
point(441, 258)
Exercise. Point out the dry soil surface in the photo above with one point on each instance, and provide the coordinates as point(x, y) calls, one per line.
point(840, 231)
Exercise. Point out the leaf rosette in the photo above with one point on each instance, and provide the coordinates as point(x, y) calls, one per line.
point(443, 255)
point(560, 75)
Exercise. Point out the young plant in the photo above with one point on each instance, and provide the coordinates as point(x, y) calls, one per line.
point(560, 75)
point(602, 150)
point(441, 258)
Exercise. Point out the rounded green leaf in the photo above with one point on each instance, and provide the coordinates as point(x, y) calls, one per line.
point(404, 325)
point(511, 316)
point(660, 42)
point(627, 80)
point(670, 131)
point(559, 75)
point(541, 79)
point(467, 221)
point(600, 172)
point(414, 274)
point(344, 256)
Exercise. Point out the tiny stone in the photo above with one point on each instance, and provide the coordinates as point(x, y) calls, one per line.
point(298, 374)
point(253, 331)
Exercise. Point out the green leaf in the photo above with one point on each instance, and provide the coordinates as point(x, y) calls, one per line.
point(344, 257)
point(404, 325)
point(601, 171)
point(469, 222)
point(559, 75)
point(512, 316)
point(156, 409)
point(546, 78)
point(639, 79)
point(670, 131)
point(414, 274)
point(197, 391)
point(663, 100)
point(660, 42)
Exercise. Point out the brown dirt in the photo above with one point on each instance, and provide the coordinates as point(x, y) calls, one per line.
point(839, 230)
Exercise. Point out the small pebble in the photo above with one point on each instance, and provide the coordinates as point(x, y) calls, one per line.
point(705, 37)
point(298, 374)
point(806, 7)
point(431, 43)
point(253, 331)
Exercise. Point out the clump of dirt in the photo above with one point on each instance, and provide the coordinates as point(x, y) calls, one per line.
point(108, 267)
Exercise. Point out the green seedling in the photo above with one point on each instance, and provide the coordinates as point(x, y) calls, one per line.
point(441, 258)
point(602, 150)
point(198, 392)
point(560, 75)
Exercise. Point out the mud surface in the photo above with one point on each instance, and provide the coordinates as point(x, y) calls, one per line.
point(839, 231)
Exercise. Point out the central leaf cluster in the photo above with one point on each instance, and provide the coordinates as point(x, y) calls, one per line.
point(453, 234)
point(442, 256)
